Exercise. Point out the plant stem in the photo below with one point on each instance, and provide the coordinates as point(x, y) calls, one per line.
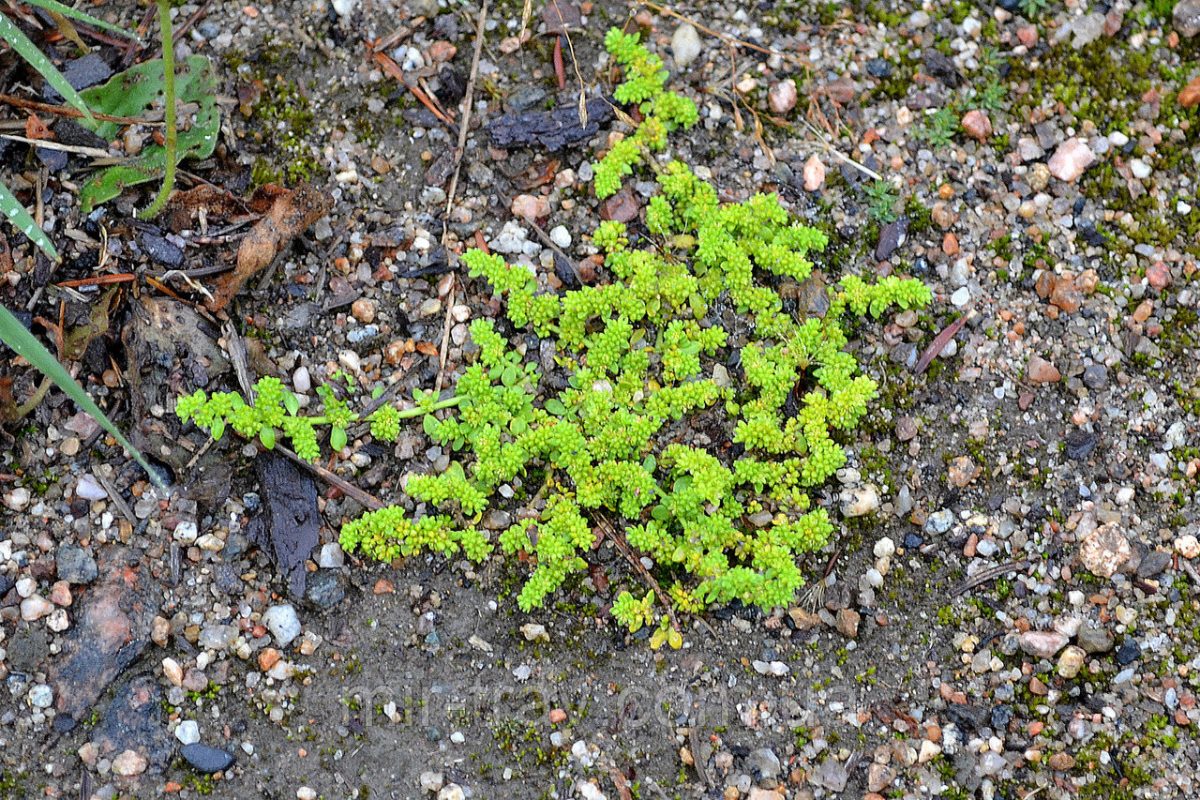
point(419, 411)
point(168, 59)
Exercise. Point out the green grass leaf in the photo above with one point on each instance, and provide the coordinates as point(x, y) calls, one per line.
point(15, 335)
point(21, 219)
point(28, 51)
point(83, 16)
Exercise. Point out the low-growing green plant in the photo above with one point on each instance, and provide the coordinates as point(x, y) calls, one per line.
point(939, 127)
point(651, 442)
point(882, 198)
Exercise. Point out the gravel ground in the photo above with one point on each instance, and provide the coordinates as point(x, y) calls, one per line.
point(1016, 616)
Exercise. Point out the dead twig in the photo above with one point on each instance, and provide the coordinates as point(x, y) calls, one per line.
point(464, 129)
point(940, 341)
point(460, 149)
point(365, 499)
point(68, 111)
point(626, 551)
point(393, 69)
point(115, 496)
point(94, 152)
point(724, 37)
point(987, 575)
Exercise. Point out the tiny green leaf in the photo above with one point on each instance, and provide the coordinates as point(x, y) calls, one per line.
point(267, 437)
point(337, 438)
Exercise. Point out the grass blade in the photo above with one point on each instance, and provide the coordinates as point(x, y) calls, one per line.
point(14, 334)
point(28, 51)
point(20, 218)
point(83, 16)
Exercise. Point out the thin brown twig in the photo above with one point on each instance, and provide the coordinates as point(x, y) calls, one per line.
point(988, 575)
point(459, 151)
point(464, 129)
point(617, 539)
point(68, 111)
point(725, 37)
point(365, 499)
point(393, 69)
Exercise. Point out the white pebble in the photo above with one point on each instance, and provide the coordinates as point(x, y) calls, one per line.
point(89, 488)
point(187, 732)
point(283, 623)
point(560, 236)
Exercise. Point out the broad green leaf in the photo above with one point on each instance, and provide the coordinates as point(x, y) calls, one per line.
point(554, 406)
point(267, 437)
point(337, 438)
point(83, 16)
point(675, 639)
point(291, 402)
point(26, 345)
point(132, 93)
point(28, 51)
point(16, 214)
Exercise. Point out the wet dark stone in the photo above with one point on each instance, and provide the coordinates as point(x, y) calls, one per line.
point(879, 68)
point(75, 565)
point(1153, 563)
point(6, 583)
point(1079, 444)
point(324, 589)
point(891, 236)
point(912, 541)
point(942, 67)
point(54, 160)
point(452, 86)
point(207, 759)
point(1095, 376)
point(161, 250)
point(1128, 652)
point(1087, 229)
point(1001, 716)
point(80, 73)
point(967, 717)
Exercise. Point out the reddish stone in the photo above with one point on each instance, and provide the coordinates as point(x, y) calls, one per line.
point(1039, 370)
point(950, 244)
point(977, 125)
point(622, 206)
point(1158, 275)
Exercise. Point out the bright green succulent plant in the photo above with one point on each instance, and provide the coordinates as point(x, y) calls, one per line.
point(703, 474)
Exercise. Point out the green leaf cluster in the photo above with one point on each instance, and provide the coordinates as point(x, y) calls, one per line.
point(640, 351)
point(641, 435)
point(275, 410)
point(662, 111)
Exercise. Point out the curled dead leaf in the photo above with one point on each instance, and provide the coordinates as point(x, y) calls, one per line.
point(290, 214)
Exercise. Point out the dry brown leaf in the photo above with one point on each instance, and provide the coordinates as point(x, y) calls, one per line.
point(212, 201)
point(289, 216)
point(36, 129)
